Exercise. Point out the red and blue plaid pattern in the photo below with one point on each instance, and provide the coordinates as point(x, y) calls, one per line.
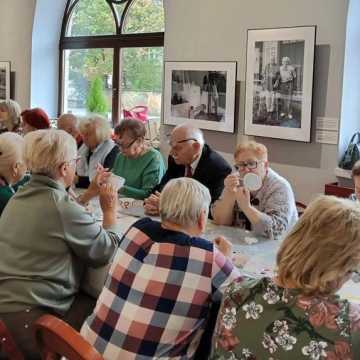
point(157, 295)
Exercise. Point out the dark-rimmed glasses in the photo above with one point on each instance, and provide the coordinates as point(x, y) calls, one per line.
point(251, 164)
point(123, 146)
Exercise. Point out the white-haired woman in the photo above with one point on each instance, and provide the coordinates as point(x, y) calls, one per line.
point(168, 276)
point(10, 118)
point(97, 148)
point(48, 239)
point(297, 314)
point(12, 166)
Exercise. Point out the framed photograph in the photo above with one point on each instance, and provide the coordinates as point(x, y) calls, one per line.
point(279, 82)
point(202, 93)
point(4, 80)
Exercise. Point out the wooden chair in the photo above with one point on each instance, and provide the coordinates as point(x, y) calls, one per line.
point(300, 207)
point(7, 344)
point(55, 338)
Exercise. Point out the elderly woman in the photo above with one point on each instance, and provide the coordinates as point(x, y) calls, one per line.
point(34, 119)
point(297, 314)
point(12, 166)
point(9, 116)
point(141, 165)
point(167, 278)
point(269, 211)
point(97, 148)
point(48, 240)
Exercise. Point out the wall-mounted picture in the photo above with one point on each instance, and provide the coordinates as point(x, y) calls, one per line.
point(202, 93)
point(4, 80)
point(279, 82)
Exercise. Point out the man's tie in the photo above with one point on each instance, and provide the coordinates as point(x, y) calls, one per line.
point(188, 171)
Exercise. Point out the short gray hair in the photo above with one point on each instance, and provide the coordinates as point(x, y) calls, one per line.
point(14, 110)
point(46, 150)
point(11, 151)
point(101, 126)
point(182, 201)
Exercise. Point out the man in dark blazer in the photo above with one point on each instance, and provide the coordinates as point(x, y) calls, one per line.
point(190, 156)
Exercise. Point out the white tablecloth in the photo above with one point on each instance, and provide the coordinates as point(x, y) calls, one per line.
point(262, 254)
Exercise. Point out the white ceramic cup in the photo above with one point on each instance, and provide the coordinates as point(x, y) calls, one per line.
point(116, 181)
point(252, 182)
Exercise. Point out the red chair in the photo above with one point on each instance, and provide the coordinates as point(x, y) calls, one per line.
point(138, 113)
point(7, 344)
point(55, 338)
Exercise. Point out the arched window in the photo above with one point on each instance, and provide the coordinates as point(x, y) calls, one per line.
point(111, 51)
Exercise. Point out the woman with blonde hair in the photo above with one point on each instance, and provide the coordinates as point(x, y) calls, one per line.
point(12, 166)
point(10, 118)
point(48, 240)
point(268, 209)
point(297, 314)
point(97, 149)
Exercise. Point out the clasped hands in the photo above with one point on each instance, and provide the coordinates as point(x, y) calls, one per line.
point(233, 186)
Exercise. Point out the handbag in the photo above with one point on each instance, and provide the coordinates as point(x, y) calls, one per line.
point(352, 153)
point(138, 113)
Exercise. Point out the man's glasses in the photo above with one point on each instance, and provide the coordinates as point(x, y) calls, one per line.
point(125, 146)
point(251, 164)
point(172, 144)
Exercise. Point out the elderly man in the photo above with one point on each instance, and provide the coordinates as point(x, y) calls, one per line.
point(70, 124)
point(162, 282)
point(191, 157)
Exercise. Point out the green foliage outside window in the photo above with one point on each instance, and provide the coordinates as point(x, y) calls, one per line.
point(96, 100)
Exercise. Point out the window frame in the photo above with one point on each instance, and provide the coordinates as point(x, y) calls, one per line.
point(116, 42)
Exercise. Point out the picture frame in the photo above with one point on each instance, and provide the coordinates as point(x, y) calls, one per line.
point(279, 82)
point(5, 80)
point(201, 93)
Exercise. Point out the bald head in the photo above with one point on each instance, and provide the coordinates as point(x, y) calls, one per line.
point(68, 123)
point(186, 144)
point(187, 131)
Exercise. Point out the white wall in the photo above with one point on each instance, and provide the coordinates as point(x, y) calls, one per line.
point(15, 43)
point(45, 55)
point(212, 30)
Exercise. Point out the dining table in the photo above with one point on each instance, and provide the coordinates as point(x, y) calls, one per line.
point(260, 253)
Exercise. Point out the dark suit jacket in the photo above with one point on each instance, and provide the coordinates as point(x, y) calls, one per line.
point(211, 171)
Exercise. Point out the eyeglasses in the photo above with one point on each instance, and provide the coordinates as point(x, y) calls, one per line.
point(251, 164)
point(123, 146)
point(180, 141)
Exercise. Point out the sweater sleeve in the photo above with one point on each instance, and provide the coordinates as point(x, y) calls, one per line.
point(86, 237)
point(278, 210)
point(151, 176)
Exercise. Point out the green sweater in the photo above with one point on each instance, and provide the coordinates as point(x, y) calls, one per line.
point(141, 174)
point(7, 191)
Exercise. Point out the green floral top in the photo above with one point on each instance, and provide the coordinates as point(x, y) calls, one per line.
point(259, 320)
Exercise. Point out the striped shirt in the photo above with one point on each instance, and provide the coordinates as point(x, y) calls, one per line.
point(157, 295)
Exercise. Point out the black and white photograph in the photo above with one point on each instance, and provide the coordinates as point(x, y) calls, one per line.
point(4, 80)
point(279, 82)
point(200, 92)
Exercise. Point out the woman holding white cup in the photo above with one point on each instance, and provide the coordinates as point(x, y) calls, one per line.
point(255, 197)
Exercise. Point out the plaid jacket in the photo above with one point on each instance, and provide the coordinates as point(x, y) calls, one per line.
point(157, 295)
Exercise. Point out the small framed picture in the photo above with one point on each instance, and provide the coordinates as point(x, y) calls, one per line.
point(279, 82)
point(202, 93)
point(4, 80)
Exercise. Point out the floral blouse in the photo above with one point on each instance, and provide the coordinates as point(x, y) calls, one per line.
point(259, 320)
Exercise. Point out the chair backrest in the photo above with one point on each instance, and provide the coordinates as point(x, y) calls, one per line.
point(55, 337)
point(7, 344)
point(300, 208)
